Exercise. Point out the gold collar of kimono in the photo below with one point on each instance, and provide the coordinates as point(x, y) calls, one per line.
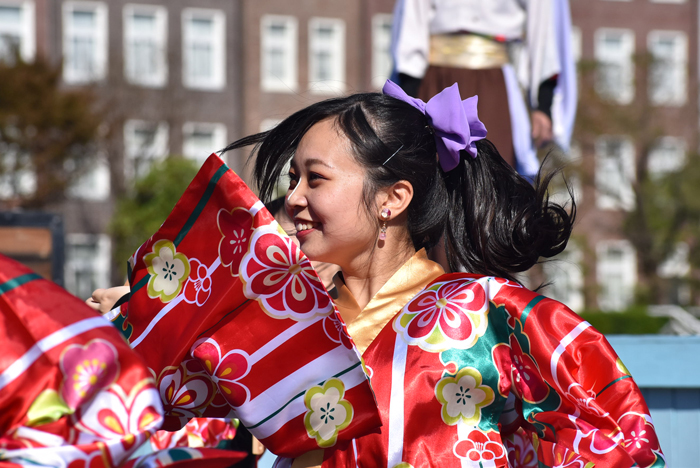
point(408, 281)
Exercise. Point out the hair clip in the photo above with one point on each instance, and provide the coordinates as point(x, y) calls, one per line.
point(395, 152)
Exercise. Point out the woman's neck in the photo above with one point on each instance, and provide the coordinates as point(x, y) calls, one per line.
point(365, 278)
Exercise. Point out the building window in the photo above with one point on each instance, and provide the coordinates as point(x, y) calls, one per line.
point(84, 41)
point(17, 174)
point(562, 188)
point(326, 55)
point(87, 263)
point(616, 270)
point(666, 156)
point(17, 30)
point(668, 75)
point(94, 183)
point(204, 57)
point(565, 276)
point(676, 264)
point(576, 43)
point(614, 173)
point(278, 62)
point(145, 45)
point(144, 143)
point(613, 51)
point(381, 49)
point(200, 140)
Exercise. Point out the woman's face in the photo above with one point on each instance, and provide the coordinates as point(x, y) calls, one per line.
point(325, 198)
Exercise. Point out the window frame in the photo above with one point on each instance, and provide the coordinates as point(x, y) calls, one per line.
point(159, 79)
point(290, 45)
point(626, 94)
point(101, 264)
point(17, 183)
point(83, 187)
point(27, 28)
point(100, 51)
point(628, 275)
point(337, 83)
point(218, 44)
point(159, 149)
point(623, 197)
point(568, 264)
point(219, 132)
point(379, 42)
point(657, 169)
point(576, 43)
point(679, 89)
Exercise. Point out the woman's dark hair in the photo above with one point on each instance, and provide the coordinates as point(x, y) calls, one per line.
point(494, 222)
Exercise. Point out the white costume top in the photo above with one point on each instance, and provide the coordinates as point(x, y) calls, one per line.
point(529, 21)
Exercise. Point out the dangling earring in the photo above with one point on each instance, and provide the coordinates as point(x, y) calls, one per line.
point(386, 212)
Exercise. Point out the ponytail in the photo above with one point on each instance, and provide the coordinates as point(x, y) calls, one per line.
point(498, 223)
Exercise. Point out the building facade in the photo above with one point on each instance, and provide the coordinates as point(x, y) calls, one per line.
point(186, 78)
point(642, 97)
point(303, 51)
point(168, 79)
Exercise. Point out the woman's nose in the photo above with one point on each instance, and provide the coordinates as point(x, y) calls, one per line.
point(296, 198)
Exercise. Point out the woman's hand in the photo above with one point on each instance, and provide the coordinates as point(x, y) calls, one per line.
point(103, 300)
point(541, 128)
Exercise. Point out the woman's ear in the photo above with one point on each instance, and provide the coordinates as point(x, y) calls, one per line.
point(397, 197)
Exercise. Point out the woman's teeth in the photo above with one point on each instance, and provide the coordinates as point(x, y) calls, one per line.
point(304, 226)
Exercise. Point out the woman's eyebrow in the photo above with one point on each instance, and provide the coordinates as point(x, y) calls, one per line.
point(312, 161)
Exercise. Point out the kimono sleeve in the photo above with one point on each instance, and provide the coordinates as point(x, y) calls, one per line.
point(576, 397)
point(412, 37)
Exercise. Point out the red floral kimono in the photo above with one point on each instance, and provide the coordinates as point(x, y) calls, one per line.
point(474, 371)
point(72, 392)
point(465, 370)
point(228, 320)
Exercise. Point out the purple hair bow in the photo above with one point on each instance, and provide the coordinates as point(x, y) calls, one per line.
point(455, 122)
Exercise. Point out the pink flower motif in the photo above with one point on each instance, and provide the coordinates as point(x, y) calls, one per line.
point(198, 286)
point(185, 393)
point(114, 415)
point(224, 370)
point(451, 314)
point(335, 330)
point(521, 453)
point(481, 447)
point(86, 370)
point(278, 275)
point(639, 437)
point(528, 383)
point(236, 228)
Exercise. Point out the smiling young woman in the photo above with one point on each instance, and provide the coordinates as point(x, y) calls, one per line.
point(325, 200)
point(468, 369)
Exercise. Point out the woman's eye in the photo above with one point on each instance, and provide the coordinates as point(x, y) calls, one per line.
point(315, 176)
point(292, 179)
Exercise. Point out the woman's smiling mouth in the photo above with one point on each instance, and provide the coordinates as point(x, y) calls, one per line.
point(302, 226)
